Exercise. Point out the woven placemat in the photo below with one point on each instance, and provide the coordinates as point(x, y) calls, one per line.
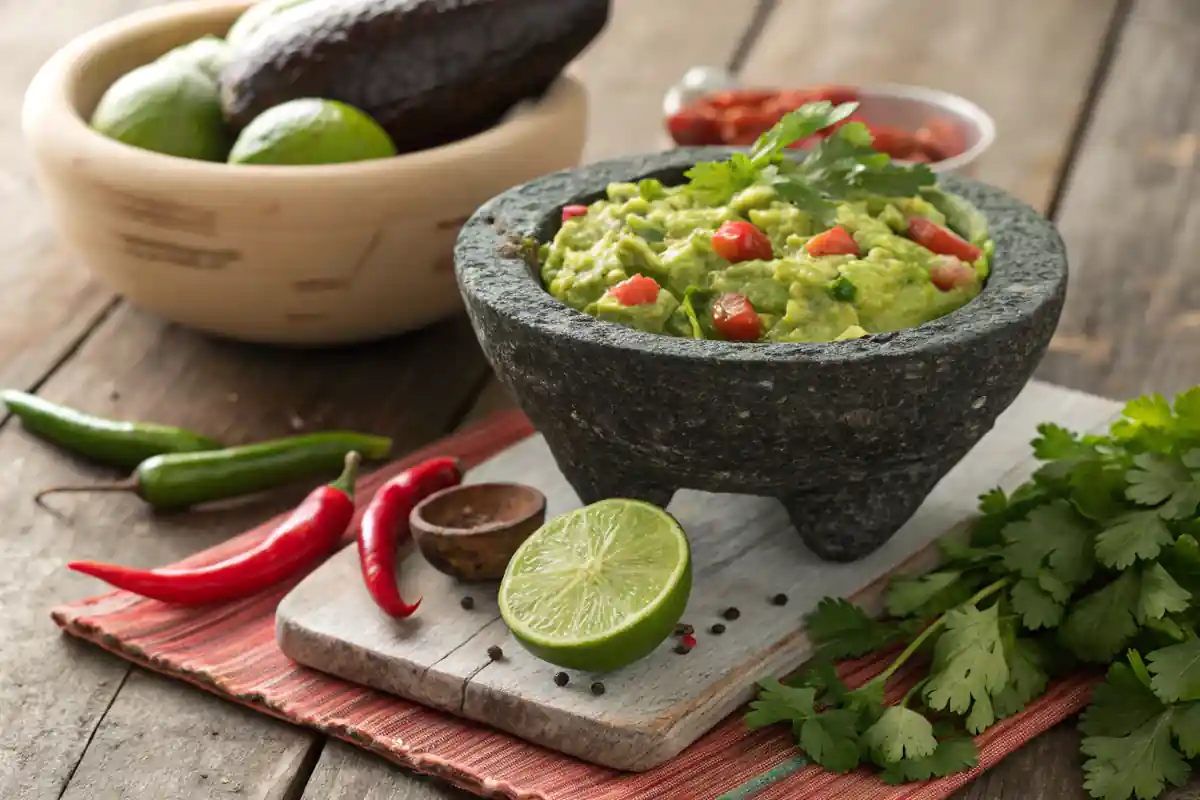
point(230, 650)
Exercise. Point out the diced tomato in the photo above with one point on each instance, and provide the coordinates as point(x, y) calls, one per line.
point(941, 241)
point(735, 318)
point(941, 138)
point(570, 212)
point(788, 100)
point(691, 128)
point(836, 241)
point(896, 142)
point(740, 98)
point(744, 126)
point(636, 291)
point(740, 241)
point(950, 273)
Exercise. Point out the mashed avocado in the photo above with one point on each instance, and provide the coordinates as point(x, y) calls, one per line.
point(800, 294)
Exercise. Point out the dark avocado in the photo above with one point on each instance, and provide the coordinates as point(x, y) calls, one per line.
point(430, 71)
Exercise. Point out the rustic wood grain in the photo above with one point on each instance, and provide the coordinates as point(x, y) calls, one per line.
point(743, 549)
point(347, 773)
point(1130, 215)
point(1027, 62)
point(645, 49)
point(55, 692)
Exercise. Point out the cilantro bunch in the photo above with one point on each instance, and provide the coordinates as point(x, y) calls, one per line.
point(1093, 561)
point(843, 166)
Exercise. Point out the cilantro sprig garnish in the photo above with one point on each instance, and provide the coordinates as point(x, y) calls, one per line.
point(1094, 560)
point(843, 166)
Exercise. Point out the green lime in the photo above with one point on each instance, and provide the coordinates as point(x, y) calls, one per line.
point(256, 17)
point(208, 54)
point(168, 107)
point(599, 587)
point(311, 131)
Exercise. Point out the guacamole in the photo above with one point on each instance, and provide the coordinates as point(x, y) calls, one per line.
point(760, 268)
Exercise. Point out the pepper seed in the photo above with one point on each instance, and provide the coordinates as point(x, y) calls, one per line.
point(597, 688)
point(561, 678)
point(467, 603)
point(717, 628)
point(731, 613)
point(495, 653)
point(779, 599)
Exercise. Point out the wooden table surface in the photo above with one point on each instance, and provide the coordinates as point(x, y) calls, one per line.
point(1098, 108)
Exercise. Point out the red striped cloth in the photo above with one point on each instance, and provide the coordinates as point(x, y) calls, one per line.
point(230, 650)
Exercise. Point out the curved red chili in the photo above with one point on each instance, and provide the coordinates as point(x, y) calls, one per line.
point(385, 526)
point(304, 539)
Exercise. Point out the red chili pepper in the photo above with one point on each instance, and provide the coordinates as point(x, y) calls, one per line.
point(300, 542)
point(385, 526)
point(688, 640)
point(737, 241)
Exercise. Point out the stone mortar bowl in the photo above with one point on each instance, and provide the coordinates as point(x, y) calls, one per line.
point(850, 436)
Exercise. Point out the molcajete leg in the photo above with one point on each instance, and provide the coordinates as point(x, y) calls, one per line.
point(853, 521)
point(598, 483)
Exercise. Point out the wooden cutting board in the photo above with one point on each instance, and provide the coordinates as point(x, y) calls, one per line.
point(744, 551)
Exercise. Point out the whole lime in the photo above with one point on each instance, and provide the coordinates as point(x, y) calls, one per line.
point(311, 131)
point(169, 107)
point(208, 54)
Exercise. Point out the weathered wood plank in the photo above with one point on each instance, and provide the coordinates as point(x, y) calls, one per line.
point(645, 49)
point(55, 691)
point(347, 773)
point(1130, 216)
point(993, 55)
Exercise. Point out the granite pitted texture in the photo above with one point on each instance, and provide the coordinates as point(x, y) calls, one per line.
point(850, 436)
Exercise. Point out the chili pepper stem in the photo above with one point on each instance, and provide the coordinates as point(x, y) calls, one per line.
point(127, 485)
point(349, 477)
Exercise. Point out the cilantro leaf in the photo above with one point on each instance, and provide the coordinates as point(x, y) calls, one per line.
point(1120, 705)
point(1140, 763)
point(1052, 539)
point(1097, 490)
point(1056, 443)
point(993, 501)
point(779, 703)
point(1026, 677)
point(932, 592)
point(716, 182)
point(831, 740)
point(867, 700)
point(841, 629)
point(1185, 724)
point(1147, 424)
point(823, 677)
point(969, 664)
point(951, 756)
point(1036, 607)
point(1138, 535)
point(1176, 672)
point(1099, 625)
point(1159, 479)
point(796, 125)
point(689, 310)
point(1160, 594)
point(1187, 412)
point(899, 733)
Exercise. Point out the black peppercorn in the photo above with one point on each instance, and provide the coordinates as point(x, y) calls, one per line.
point(731, 613)
point(561, 678)
point(717, 628)
point(597, 688)
point(683, 629)
point(682, 649)
point(779, 599)
point(495, 653)
point(467, 603)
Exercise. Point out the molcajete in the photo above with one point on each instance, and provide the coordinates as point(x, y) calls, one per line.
point(851, 436)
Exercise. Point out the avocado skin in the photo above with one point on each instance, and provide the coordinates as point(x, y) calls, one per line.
point(429, 71)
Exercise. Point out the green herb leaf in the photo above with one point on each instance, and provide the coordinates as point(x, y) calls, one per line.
point(951, 756)
point(1176, 672)
point(797, 125)
point(933, 590)
point(841, 629)
point(1170, 481)
point(1160, 594)
point(1120, 705)
point(690, 311)
point(1036, 607)
point(1138, 535)
point(969, 665)
point(831, 740)
point(899, 733)
point(1026, 677)
point(1102, 623)
point(993, 501)
point(1140, 763)
point(823, 677)
point(842, 290)
point(1052, 539)
point(1185, 724)
point(716, 182)
point(779, 703)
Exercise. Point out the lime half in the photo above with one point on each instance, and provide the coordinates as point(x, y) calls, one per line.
point(599, 587)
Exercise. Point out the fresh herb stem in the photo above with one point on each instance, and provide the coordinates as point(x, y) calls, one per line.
point(936, 626)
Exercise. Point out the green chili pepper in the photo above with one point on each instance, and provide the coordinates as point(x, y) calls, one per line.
point(178, 480)
point(123, 444)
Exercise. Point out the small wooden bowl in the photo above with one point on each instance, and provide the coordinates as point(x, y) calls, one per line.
point(471, 531)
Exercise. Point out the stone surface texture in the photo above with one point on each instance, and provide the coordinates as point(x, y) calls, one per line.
point(850, 436)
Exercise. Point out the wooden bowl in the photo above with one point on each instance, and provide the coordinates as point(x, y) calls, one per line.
point(471, 531)
point(298, 255)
